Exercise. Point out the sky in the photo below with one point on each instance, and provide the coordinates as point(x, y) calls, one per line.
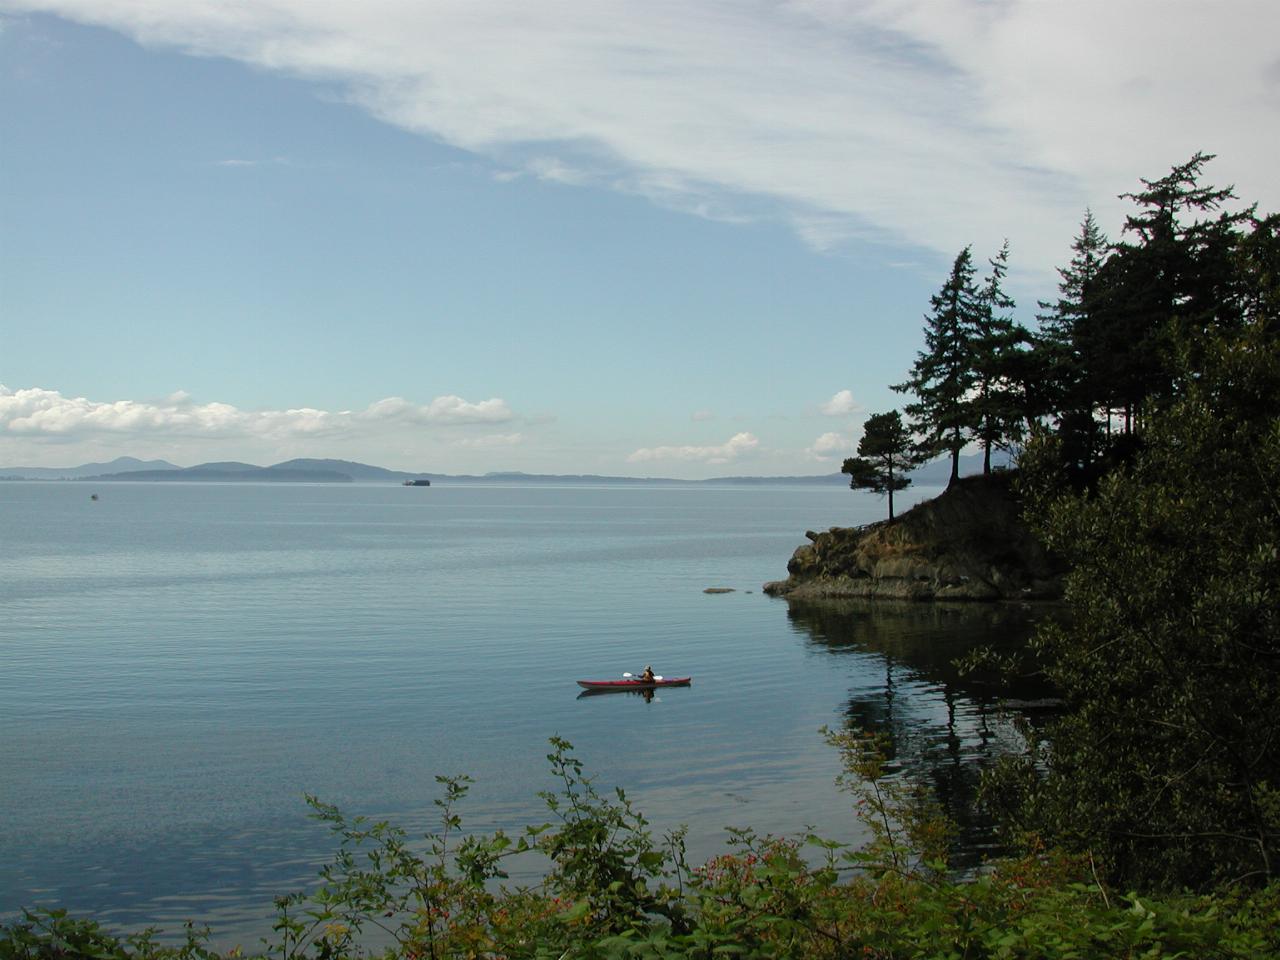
point(643, 238)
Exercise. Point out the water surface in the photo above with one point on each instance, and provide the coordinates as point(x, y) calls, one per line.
point(181, 663)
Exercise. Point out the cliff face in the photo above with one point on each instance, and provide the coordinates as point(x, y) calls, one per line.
point(970, 543)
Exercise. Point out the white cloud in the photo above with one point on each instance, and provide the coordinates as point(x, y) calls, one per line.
point(731, 449)
point(828, 444)
point(841, 404)
point(934, 123)
point(699, 416)
point(38, 413)
point(557, 171)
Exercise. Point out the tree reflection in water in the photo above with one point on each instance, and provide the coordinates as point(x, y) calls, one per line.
point(941, 727)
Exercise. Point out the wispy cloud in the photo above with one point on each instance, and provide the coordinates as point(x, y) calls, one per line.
point(235, 162)
point(492, 440)
point(928, 123)
point(732, 449)
point(441, 410)
point(38, 413)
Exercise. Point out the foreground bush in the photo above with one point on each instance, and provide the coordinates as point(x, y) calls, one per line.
point(612, 890)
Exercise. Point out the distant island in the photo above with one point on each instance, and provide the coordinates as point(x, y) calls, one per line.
point(306, 470)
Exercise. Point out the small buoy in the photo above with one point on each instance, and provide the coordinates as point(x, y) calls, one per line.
point(93, 496)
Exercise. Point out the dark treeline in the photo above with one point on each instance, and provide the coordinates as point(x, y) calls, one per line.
point(1129, 319)
point(1146, 407)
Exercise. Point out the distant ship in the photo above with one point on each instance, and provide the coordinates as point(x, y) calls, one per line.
point(417, 483)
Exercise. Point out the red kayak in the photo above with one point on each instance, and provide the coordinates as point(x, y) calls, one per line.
point(635, 683)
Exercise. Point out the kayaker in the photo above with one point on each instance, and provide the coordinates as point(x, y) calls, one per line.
point(647, 676)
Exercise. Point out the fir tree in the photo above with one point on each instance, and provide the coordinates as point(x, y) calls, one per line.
point(1072, 353)
point(1177, 278)
point(943, 374)
point(994, 341)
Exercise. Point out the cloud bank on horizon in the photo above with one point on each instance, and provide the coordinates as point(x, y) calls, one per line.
point(928, 124)
point(37, 416)
point(40, 414)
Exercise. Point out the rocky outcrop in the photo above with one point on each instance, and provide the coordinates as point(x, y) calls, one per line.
point(970, 543)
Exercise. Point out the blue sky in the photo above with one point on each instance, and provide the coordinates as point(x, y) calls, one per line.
point(674, 239)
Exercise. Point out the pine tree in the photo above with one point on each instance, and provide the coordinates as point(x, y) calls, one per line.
point(943, 374)
point(885, 455)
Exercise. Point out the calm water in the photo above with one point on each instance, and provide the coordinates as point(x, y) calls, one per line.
point(180, 663)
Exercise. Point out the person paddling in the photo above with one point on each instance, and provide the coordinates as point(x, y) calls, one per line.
point(647, 676)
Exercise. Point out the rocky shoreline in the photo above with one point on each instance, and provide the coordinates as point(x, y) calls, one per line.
point(969, 544)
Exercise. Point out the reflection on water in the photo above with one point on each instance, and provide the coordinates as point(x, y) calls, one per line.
point(942, 727)
point(646, 694)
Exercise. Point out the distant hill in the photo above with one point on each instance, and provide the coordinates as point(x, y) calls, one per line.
point(118, 465)
point(228, 473)
point(362, 472)
point(306, 470)
point(223, 466)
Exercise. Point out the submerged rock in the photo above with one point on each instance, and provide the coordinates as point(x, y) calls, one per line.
point(970, 543)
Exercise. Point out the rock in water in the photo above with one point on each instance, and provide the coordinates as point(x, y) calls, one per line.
point(970, 543)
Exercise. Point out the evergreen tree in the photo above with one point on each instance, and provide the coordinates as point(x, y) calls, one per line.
point(943, 374)
point(1176, 276)
point(1259, 271)
point(1071, 354)
point(996, 403)
point(885, 455)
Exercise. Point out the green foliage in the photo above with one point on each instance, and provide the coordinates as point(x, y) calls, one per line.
point(944, 372)
point(53, 935)
point(974, 379)
point(606, 861)
point(1071, 354)
point(1167, 762)
point(885, 454)
point(1001, 391)
point(1132, 315)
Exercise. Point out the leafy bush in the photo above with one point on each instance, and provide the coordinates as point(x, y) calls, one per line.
point(1166, 763)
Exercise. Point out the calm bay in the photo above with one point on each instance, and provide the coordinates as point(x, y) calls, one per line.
point(180, 663)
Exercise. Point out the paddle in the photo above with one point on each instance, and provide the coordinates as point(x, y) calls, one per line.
point(632, 676)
